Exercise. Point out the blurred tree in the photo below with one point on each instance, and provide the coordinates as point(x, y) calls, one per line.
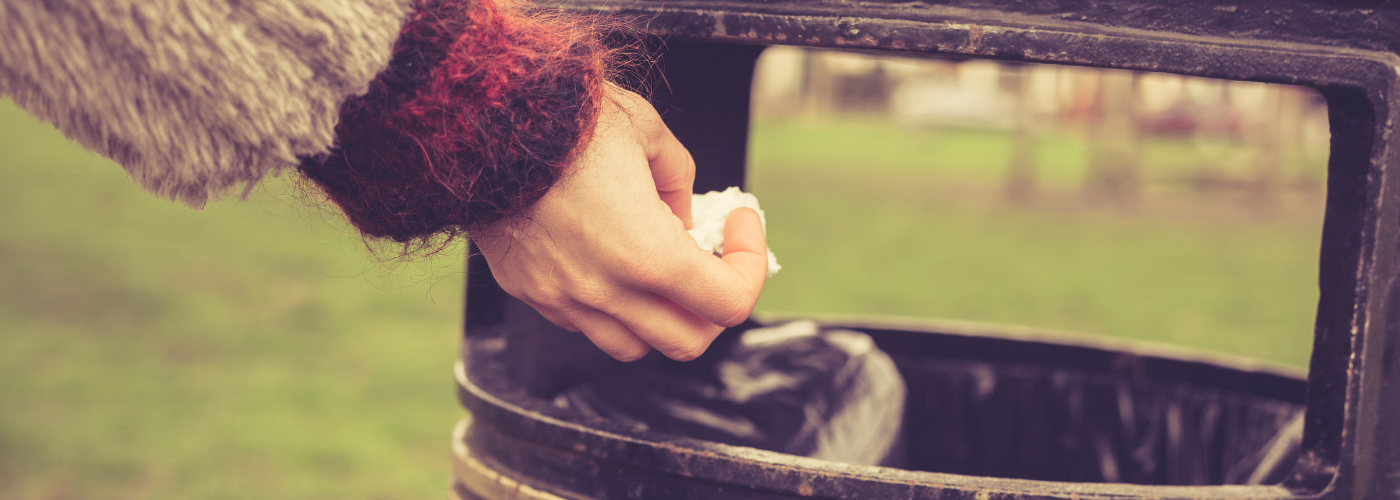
point(1115, 155)
point(1020, 168)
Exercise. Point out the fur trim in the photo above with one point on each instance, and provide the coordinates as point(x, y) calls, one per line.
point(193, 97)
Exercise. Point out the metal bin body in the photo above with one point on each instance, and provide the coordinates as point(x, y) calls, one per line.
point(518, 445)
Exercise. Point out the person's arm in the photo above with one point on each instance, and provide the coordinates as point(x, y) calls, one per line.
point(195, 97)
point(439, 118)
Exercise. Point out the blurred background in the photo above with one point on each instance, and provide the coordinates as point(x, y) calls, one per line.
point(258, 350)
point(1149, 206)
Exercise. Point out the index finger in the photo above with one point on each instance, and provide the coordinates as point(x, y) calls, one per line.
point(672, 167)
point(673, 170)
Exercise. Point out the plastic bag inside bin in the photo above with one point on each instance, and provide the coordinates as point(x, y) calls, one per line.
point(1031, 410)
point(795, 388)
point(972, 405)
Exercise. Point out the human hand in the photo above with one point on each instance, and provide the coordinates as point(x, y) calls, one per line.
point(606, 252)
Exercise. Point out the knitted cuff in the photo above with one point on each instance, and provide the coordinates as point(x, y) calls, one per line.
point(476, 116)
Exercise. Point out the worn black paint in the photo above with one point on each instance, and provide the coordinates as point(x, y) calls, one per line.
point(1346, 49)
point(524, 436)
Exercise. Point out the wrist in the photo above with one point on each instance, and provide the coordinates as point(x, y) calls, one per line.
point(481, 111)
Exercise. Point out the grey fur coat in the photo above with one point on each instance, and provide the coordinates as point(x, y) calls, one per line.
point(194, 97)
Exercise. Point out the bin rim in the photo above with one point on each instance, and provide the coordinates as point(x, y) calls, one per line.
point(514, 415)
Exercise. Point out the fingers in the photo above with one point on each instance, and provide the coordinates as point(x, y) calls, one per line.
point(672, 167)
point(552, 315)
point(722, 291)
point(745, 245)
point(611, 336)
point(664, 325)
point(630, 326)
point(608, 334)
point(673, 170)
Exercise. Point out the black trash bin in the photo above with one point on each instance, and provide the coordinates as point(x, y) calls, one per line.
point(993, 412)
point(982, 401)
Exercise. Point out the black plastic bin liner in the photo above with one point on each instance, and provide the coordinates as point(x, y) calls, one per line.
point(965, 416)
point(795, 388)
point(1063, 424)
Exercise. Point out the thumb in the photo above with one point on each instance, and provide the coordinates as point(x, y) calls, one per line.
point(746, 247)
point(723, 291)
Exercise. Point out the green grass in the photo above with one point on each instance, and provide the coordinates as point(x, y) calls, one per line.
point(913, 224)
point(252, 350)
point(255, 350)
point(976, 155)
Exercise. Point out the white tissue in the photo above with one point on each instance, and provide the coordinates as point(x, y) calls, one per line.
point(710, 210)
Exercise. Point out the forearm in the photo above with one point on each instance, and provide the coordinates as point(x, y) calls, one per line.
point(193, 97)
point(417, 118)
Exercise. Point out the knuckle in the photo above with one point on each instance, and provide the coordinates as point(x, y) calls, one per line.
point(644, 116)
point(629, 353)
point(592, 295)
point(687, 348)
point(556, 319)
point(738, 308)
point(635, 101)
point(689, 161)
point(550, 297)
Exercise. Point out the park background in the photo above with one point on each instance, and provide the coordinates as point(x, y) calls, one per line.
point(258, 349)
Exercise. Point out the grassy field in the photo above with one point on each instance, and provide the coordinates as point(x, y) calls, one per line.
point(255, 350)
point(252, 350)
point(868, 218)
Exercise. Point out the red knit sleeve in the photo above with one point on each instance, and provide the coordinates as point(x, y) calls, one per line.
point(478, 112)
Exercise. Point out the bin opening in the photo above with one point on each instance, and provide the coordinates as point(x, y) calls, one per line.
point(1165, 208)
point(980, 401)
point(1168, 198)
